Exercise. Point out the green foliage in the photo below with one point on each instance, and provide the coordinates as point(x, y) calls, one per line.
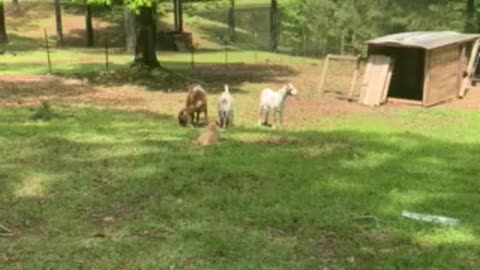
point(358, 21)
point(43, 112)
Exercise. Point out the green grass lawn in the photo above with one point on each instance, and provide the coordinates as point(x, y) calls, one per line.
point(99, 189)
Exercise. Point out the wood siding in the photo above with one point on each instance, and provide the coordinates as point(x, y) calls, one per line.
point(442, 74)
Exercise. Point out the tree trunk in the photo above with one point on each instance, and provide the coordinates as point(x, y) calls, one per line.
point(130, 32)
point(470, 17)
point(145, 51)
point(178, 15)
point(15, 5)
point(58, 21)
point(274, 26)
point(3, 31)
point(231, 20)
point(88, 24)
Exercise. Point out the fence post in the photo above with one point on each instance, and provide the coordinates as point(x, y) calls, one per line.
point(255, 51)
point(192, 59)
point(304, 45)
point(324, 74)
point(48, 51)
point(106, 52)
point(226, 49)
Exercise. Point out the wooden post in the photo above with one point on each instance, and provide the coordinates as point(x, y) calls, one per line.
point(225, 40)
point(192, 59)
point(386, 87)
point(324, 74)
point(342, 43)
point(255, 49)
point(467, 81)
point(426, 81)
point(48, 51)
point(304, 44)
point(354, 79)
point(106, 52)
point(461, 65)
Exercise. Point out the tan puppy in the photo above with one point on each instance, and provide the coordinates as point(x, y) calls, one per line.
point(210, 135)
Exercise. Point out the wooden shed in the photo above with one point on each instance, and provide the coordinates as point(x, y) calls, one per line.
point(424, 68)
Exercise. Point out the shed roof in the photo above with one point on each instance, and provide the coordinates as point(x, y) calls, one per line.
point(425, 40)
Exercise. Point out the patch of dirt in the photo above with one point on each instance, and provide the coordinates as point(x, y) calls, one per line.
point(326, 245)
point(33, 17)
point(471, 101)
point(304, 110)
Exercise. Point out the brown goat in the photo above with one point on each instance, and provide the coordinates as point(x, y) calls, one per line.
point(197, 103)
point(184, 117)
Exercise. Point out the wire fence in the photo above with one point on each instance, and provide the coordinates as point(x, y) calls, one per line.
point(213, 41)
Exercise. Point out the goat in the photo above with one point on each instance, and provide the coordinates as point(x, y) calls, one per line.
point(225, 109)
point(197, 103)
point(274, 101)
point(184, 117)
point(210, 135)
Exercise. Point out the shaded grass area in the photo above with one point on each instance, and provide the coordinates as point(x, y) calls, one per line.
point(84, 60)
point(100, 189)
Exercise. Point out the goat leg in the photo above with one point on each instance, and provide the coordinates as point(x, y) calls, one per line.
point(260, 116)
point(275, 118)
point(206, 115)
point(197, 117)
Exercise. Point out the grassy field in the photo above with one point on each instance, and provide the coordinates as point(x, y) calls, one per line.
point(112, 182)
point(99, 189)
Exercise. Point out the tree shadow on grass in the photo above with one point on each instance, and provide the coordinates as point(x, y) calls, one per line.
point(114, 34)
point(20, 44)
point(177, 76)
point(147, 175)
point(34, 90)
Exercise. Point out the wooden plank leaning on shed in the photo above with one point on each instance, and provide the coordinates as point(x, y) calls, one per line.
point(376, 81)
point(467, 81)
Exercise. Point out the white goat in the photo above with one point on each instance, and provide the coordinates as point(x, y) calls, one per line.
point(225, 109)
point(274, 101)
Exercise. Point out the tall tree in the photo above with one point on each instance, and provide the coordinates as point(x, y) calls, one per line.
point(130, 30)
point(145, 51)
point(178, 15)
point(470, 17)
point(231, 20)
point(15, 5)
point(58, 21)
point(88, 23)
point(3, 31)
point(274, 25)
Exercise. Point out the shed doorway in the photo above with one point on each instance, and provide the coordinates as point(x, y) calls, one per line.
point(408, 74)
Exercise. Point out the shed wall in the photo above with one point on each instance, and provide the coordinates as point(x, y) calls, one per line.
point(443, 71)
